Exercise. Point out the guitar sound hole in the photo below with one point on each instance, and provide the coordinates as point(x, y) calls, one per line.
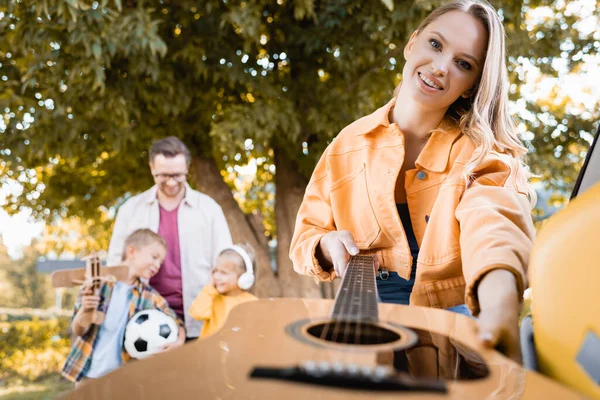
point(358, 333)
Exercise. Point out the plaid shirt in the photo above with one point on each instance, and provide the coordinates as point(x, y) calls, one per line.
point(143, 297)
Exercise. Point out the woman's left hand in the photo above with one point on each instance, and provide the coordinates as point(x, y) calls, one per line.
point(498, 320)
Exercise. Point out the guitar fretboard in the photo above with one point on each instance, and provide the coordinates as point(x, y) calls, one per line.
point(357, 297)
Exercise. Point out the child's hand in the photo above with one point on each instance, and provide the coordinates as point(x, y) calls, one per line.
point(180, 341)
point(89, 302)
point(171, 346)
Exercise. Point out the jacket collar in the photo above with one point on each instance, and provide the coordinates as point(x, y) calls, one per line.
point(150, 196)
point(380, 117)
point(436, 153)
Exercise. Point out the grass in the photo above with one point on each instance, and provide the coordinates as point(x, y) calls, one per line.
point(46, 389)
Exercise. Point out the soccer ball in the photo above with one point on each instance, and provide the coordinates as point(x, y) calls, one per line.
point(147, 331)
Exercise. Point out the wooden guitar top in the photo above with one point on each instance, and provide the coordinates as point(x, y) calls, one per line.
point(261, 333)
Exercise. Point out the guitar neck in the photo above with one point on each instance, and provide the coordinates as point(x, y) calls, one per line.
point(356, 299)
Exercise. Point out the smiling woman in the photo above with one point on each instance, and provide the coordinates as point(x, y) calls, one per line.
point(444, 60)
point(432, 183)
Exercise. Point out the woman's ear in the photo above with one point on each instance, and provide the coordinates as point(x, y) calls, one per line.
point(409, 44)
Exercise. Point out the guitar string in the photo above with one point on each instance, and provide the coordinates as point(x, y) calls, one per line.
point(349, 317)
point(363, 309)
point(356, 312)
point(350, 279)
point(372, 298)
point(373, 301)
point(353, 315)
point(345, 307)
point(345, 290)
point(327, 326)
point(368, 271)
point(361, 312)
point(348, 290)
point(359, 323)
point(357, 332)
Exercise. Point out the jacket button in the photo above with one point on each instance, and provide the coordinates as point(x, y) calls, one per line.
point(421, 175)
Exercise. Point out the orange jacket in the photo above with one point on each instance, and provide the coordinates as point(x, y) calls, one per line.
point(463, 232)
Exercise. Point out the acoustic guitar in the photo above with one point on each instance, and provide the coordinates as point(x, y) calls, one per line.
point(350, 348)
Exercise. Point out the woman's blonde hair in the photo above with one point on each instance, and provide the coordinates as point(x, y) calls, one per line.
point(484, 116)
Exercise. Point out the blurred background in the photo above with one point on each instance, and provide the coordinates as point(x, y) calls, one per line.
point(256, 89)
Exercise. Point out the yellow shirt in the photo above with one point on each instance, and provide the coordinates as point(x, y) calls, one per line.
point(213, 308)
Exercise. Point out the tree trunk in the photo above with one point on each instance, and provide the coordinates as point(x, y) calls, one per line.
point(289, 187)
point(244, 228)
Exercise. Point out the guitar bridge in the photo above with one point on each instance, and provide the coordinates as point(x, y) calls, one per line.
point(350, 376)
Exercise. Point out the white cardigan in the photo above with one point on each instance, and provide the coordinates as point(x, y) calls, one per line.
point(203, 233)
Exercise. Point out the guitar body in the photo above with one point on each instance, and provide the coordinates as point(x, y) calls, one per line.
point(440, 346)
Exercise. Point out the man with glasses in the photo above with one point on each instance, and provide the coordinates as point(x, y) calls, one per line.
point(192, 224)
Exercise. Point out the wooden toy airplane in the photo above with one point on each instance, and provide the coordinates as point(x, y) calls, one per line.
point(92, 275)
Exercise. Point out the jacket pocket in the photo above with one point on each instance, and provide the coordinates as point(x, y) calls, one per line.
point(352, 208)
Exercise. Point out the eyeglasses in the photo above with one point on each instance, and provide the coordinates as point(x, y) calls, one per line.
point(165, 177)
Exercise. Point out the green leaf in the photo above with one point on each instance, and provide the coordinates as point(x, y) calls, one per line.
point(97, 51)
point(389, 4)
point(131, 80)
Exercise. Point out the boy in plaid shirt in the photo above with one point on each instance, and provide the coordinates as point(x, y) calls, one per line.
point(98, 348)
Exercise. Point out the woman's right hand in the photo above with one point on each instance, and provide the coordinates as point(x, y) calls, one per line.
point(335, 249)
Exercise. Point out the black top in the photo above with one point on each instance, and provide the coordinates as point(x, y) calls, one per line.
point(395, 289)
point(410, 234)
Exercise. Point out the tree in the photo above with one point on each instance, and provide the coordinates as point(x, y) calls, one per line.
point(75, 236)
point(28, 287)
point(6, 289)
point(89, 86)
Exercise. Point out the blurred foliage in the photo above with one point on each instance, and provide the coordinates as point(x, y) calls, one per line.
point(75, 236)
point(22, 285)
point(6, 288)
point(33, 350)
point(254, 190)
point(44, 389)
point(88, 85)
point(8, 314)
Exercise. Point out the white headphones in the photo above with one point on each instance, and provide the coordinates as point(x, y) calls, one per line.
point(246, 280)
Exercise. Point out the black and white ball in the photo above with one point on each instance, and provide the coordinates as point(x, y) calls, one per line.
point(147, 331)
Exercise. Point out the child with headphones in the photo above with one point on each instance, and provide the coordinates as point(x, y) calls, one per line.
point(232, 277)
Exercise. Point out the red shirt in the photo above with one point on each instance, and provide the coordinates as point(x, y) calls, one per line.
point(168, 280)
